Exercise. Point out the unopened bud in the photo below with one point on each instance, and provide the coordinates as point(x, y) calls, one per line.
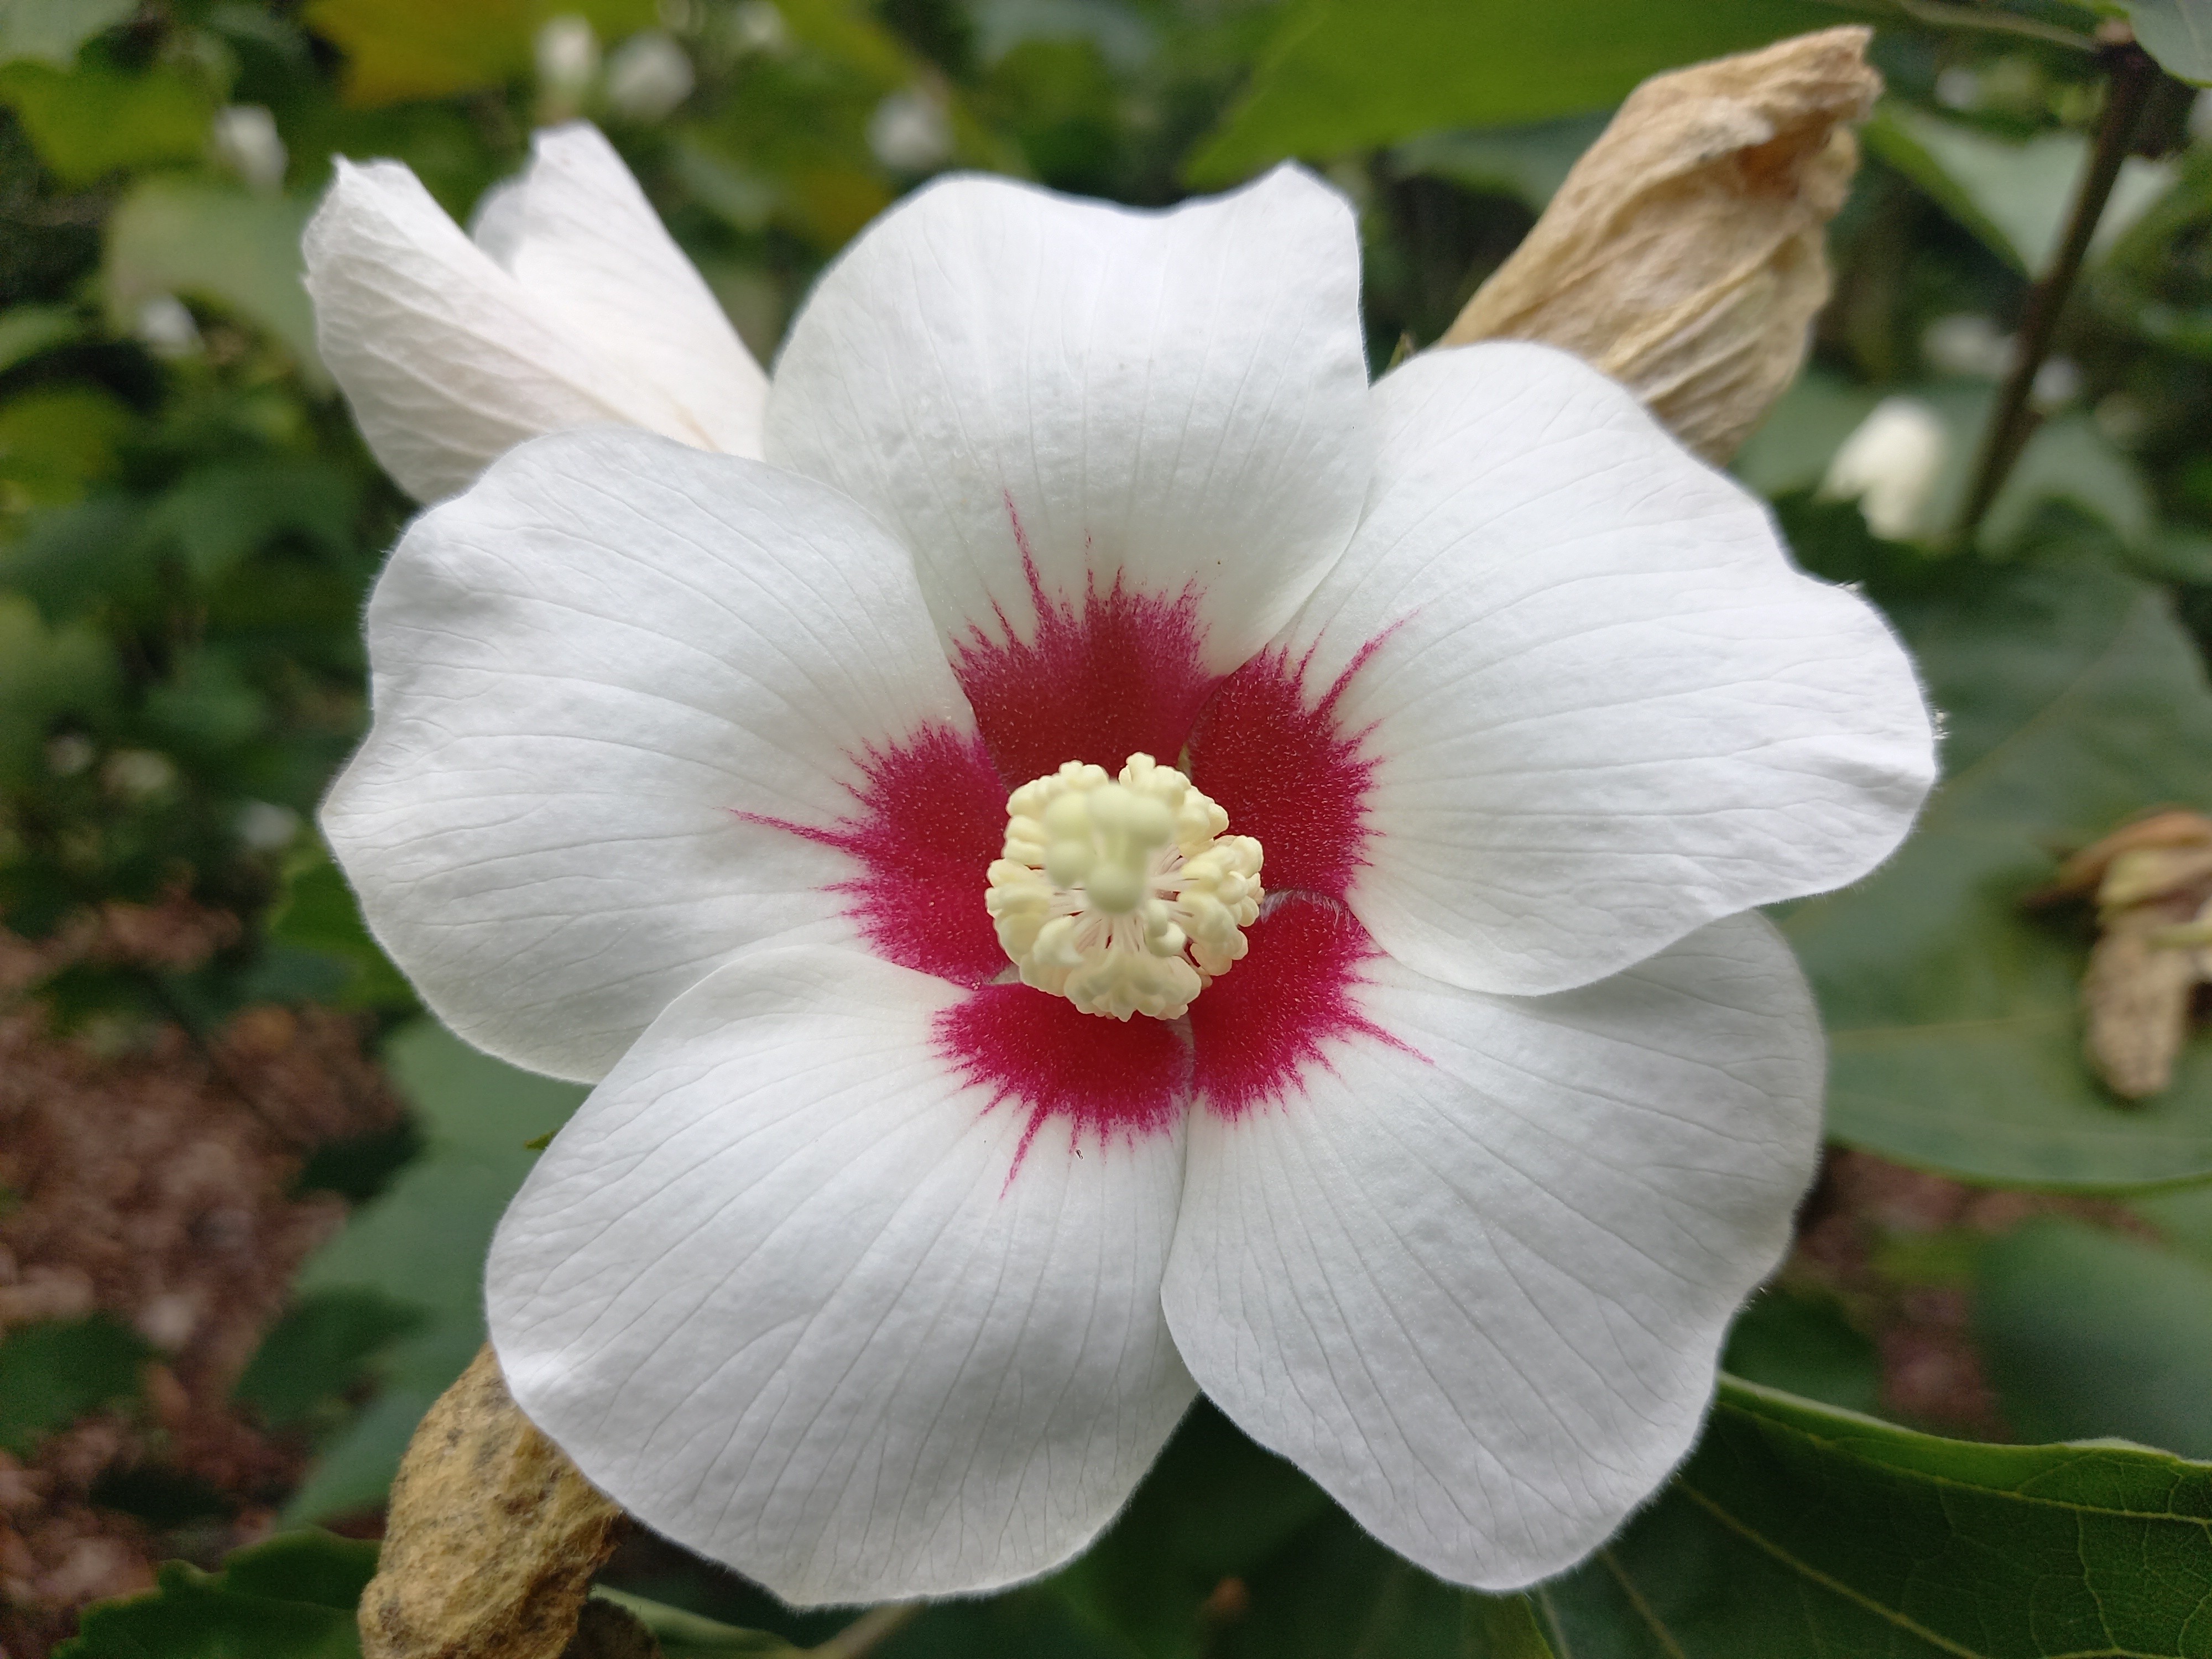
point(649, 76)
point(568, 54)
point(1683, 255)
point(1890, 465)
point(246, 141)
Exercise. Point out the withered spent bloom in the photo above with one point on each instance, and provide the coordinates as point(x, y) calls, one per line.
point(2152, 881)
point(1683, 255)
point(492, 1538)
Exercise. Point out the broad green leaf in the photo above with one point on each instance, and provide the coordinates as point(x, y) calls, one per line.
point(2088, 1333)
point(2177, 33)
point(57, 440)
point(45, 674)
point(1215, 1506)
point(1802, 1344)
point(687, 1635)
point(87, 123)
point(218, 243)
point(51, 1374)
point(421, 1245)
point(26, 331)
point(222, 512)
point(2073, 702)
point(402, 49)
point(53, 30)
point(317, 913)
point(2016, 196)
point(322, 1346)
point(2184, 1218)
point(1348, 75)
point(1796, 1529)
point(1528, 162)
point(291, 1598)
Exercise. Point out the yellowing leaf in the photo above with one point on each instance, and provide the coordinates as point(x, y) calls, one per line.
point(86, 125)
point(398, 50)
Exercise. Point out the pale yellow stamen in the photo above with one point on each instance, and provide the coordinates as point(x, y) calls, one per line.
point(1122, 896)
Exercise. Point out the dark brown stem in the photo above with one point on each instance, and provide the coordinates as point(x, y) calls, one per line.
point(2129, 77)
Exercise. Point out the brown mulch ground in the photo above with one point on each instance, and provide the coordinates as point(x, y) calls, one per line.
point(148, 1178)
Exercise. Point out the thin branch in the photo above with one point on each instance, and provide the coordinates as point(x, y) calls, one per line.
point(2131, 76)
point(861, 1636)
point(1941, 13)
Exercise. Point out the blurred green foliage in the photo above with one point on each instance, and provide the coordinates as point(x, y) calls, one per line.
point(189, 526)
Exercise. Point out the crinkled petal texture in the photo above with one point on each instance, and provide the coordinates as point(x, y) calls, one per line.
point(594, 676)
point(778, 1288)
point(1473, 1278)
point(1604, 709)
point(1041, 396)
point(574, 307)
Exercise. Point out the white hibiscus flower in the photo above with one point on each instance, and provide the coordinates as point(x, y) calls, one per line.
point(876, 1265)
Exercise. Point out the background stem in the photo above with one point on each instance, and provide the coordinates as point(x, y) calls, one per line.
point(2131, 75)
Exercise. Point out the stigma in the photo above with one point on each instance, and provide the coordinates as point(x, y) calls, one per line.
point(1124, 895)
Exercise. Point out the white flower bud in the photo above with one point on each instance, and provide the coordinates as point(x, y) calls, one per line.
point(649, 76)
point(1890, 464)
point(567, 54)
point(908, 131)
point(166, 328)
point(245, 142)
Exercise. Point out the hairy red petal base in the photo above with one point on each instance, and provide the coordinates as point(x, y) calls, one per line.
point(1286, 771)
point(1255, 1029)
point(1119, 674)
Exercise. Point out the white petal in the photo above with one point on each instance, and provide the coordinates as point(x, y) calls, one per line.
point(1606, 707)
point(797, 1296)
point(578, 235)
point(1178, 397)
point(1476, 1284)
point(448, 358)
point(584, 669)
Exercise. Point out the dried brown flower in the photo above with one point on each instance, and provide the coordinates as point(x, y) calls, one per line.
point(2152, 880)
point(1684, 254)
point(492, 1536)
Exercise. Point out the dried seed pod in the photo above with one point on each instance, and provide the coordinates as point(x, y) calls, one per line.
point(492, 1538)
point(1684, 254)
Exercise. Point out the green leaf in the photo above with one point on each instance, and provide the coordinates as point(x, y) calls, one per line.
point(58, 440)
point(398, 50)
point(28, 332)
point(223, 512)
point(421, 1245)
point(51, 1374)
point(323, 1347)
point(2177, 33)
point(1802, 1344)
point(2016, 196)
point(292, 1597)
point(44, 674)
point(317, 913)
point(1349, 75)
point(1528, 162)
point(2088, 1333)
point(2073, 700)
point(1796, 1529)
point(687, 1635)
point(217, 243)
point(87, 123)
point(53, 30)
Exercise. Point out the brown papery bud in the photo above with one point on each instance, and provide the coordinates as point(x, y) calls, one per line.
point(1683, 255)
point(492, 1538)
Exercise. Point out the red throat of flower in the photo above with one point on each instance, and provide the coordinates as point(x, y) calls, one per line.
point(1119, 674)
